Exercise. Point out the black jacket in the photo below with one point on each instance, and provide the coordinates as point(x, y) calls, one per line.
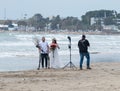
point(83, 45)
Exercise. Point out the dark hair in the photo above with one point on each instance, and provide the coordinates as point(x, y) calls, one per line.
point(83, 36)
point(55, 41)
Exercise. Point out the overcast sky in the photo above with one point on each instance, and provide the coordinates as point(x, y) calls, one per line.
point(16, 9)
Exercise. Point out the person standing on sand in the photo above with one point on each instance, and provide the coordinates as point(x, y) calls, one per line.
point(83, 45)
point(54, 57)
point(44, 49)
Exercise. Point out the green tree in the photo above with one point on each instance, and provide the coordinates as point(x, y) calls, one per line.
point(22, 23)
point(97, 14)
point(37, 21)
point(55, 22)
point(109, 21)
point(71, 23)
point(118, 15)
point(8, 22)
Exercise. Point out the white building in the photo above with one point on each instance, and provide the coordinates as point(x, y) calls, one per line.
point(13, 27)
point(3, 27)
point(110, 27)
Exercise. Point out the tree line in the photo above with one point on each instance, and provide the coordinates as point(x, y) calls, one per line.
point(70, 23)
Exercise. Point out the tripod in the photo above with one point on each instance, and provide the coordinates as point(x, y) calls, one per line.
point(70, 63)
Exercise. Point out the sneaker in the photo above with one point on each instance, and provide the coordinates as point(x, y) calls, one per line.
point(89, 68)
point(81, 69)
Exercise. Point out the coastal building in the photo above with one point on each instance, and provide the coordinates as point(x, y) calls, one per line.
point(117, 21)
point(111, 27)
point(100, 21)
point(94, 20)
point(13, 27)
point(3, 27)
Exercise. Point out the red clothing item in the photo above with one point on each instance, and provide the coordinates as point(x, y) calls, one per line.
point(53, 46)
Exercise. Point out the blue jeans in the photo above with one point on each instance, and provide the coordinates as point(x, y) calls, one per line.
point(82, 58)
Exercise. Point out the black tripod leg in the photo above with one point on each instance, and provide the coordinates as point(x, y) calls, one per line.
point(66, 65)
point(72, 65)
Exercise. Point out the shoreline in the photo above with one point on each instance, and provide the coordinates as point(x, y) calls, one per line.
point(65, 32)
point(103, 77)
point(31, 63)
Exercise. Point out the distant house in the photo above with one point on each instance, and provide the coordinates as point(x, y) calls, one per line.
point(106, 27)
point(13, 27)
point(3, 27)
point(94, 20)
point(117, 21)
point(110, 27)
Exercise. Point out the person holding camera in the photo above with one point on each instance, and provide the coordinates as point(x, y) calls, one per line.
point(83, 45)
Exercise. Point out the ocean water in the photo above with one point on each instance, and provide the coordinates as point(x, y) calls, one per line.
point(18, 51)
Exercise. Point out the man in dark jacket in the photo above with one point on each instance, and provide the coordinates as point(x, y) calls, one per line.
point(83, 45)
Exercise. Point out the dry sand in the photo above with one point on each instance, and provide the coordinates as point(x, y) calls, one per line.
point(102, 77)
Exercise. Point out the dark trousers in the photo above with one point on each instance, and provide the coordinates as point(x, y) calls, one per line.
point(82, 58)
point(44, 59)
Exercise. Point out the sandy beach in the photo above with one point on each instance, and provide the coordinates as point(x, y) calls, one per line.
point(102, 77)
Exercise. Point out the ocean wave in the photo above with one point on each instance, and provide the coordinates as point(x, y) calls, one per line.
point(20, 43)
point(19, 54)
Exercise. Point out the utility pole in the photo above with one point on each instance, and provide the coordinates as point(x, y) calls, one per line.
point(4, 13)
